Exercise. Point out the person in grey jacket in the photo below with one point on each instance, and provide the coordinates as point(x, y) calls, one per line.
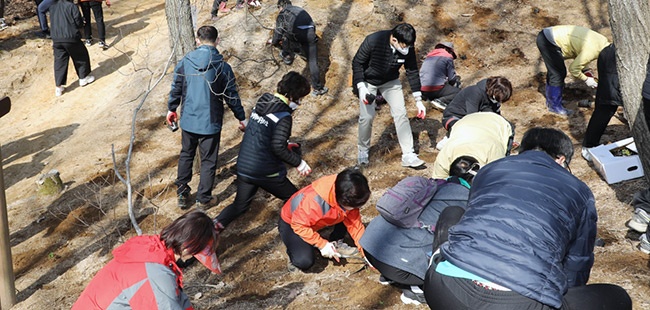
point(203, 82)
point(400, 254)
point(526, 239)
point(438, 77)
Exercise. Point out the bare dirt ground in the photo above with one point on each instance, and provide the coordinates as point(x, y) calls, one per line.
point(60, 242)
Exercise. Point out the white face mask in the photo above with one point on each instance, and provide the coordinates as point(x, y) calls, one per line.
point(404, 51)
point(494, 100)
point(294, 105)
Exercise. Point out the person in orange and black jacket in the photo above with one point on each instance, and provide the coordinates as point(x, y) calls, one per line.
point(332, 200)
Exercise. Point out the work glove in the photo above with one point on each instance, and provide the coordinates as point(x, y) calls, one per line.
point(591, 82)
point(171, 117)
point(363, 92)
point(329, 251)
point(422, 111)
point(242, 125)
point(108, 3)
point(294, 147)
point(303, 168)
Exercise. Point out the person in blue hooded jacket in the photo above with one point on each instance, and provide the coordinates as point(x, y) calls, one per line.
point(526, 238)
point(202, 83)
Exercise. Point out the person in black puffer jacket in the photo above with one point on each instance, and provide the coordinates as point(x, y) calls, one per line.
point(66, 42)
point(265, 149)
point(526, 239)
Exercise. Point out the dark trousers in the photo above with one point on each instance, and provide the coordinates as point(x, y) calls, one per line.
point(2, 8)
point(246, 189)
point(301, 254)
point(598, 123)
point(445, 95)
point(397, 275)
point(42, 6)
point(305, 42)
point(96, 7)
point(553, 59)
point(208, 147)
point(443, 292)
point(63, 51)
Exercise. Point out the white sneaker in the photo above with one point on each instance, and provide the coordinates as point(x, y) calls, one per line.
point(644, 245)
point(362, 158)
point(585, 154)
point(442, 143)
point(344, 249)
point(58, 91)
point(639, 220)
point(411, 160)
point(87, 80)
point(438, 104)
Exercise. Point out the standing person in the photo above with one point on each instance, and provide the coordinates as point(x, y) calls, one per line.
point(332, 200)
point(376, 68)
point(265, 151)
point(295, 31)
point(3, 25)
point(143, 273)
point(203, 81)
point(438, 77)
point(42, 7)
point(96, 7)
point(401, 254)
point(562, 42)
point(608, 99)
point(526, 239)
point(66, 43)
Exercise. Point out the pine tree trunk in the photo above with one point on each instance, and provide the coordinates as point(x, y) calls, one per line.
point(181, 32)
point(630, 28)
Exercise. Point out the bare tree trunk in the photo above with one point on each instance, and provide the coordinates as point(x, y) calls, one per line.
point(181, 32)
point(630, 28)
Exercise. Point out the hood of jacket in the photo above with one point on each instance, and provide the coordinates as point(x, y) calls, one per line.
point(441, 52)
point(207, 57)
point(271, 104)
point(144, 249)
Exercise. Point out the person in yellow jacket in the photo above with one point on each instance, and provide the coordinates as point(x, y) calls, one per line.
point(332, 200)
point(485, 136)
point(562, 42)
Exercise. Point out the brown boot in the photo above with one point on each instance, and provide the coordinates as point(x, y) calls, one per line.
point(223, 8)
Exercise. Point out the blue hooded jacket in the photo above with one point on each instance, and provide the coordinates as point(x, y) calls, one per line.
point(203, 81)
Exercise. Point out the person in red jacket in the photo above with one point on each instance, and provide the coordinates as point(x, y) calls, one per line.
point(332, 200)
point(143, 273)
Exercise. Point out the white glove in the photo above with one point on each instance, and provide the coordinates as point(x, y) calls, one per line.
point(243, 124)
point(329, 251)
point(363, 91)
point(422, 111)
point(303, 168)
point(591, 82)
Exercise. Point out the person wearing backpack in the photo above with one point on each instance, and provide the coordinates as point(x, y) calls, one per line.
point(401, 254)
point(265, 151)
point(485, 136)
point(332, 200)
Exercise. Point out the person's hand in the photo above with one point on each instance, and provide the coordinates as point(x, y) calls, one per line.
point(108, 3)
point(329, 251)
point(422, 111)
point(591, 82)
point(171, 117)
point(303, 168)
point(363, 92)
point(242, 125)
point(269, 42)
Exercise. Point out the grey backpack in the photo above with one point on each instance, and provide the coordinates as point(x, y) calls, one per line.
point(402, 204)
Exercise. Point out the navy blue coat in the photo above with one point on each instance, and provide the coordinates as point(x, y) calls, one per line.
point(529, 226)
point(202, 82)
point(408, 248)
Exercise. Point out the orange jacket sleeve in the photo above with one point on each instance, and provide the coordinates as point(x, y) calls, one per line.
point(304, 218)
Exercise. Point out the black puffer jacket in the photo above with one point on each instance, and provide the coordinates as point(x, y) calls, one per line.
point(470, 100)
point(263, 150)
point(66, 22)
point(289, 19)
point(609, 89)
point(376, 63)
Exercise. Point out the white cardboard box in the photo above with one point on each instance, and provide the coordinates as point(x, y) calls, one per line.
point(615, 169)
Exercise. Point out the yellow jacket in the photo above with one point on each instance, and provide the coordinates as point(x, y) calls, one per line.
point(580, 44)
point(482, 135)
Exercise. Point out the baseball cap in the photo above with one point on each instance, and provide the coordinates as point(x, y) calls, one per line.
point(209, 259)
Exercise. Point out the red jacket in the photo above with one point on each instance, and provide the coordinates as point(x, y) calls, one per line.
point(315, 207)
point(142, 275)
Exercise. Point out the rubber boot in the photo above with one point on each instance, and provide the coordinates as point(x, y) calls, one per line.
point(554, 100)
point(223, 8)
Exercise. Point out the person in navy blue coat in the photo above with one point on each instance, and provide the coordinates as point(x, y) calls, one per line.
point(526, 239)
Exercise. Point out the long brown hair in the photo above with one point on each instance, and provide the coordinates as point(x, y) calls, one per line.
point(192, 231)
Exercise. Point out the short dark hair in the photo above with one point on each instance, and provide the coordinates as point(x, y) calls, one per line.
point(464, 167)
point(207, 34)
point(552, 141)
point(193, 231)
point(351, 188)
point(284, 3)
point(404, 33)
point(498, 88)
point(294, 86)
